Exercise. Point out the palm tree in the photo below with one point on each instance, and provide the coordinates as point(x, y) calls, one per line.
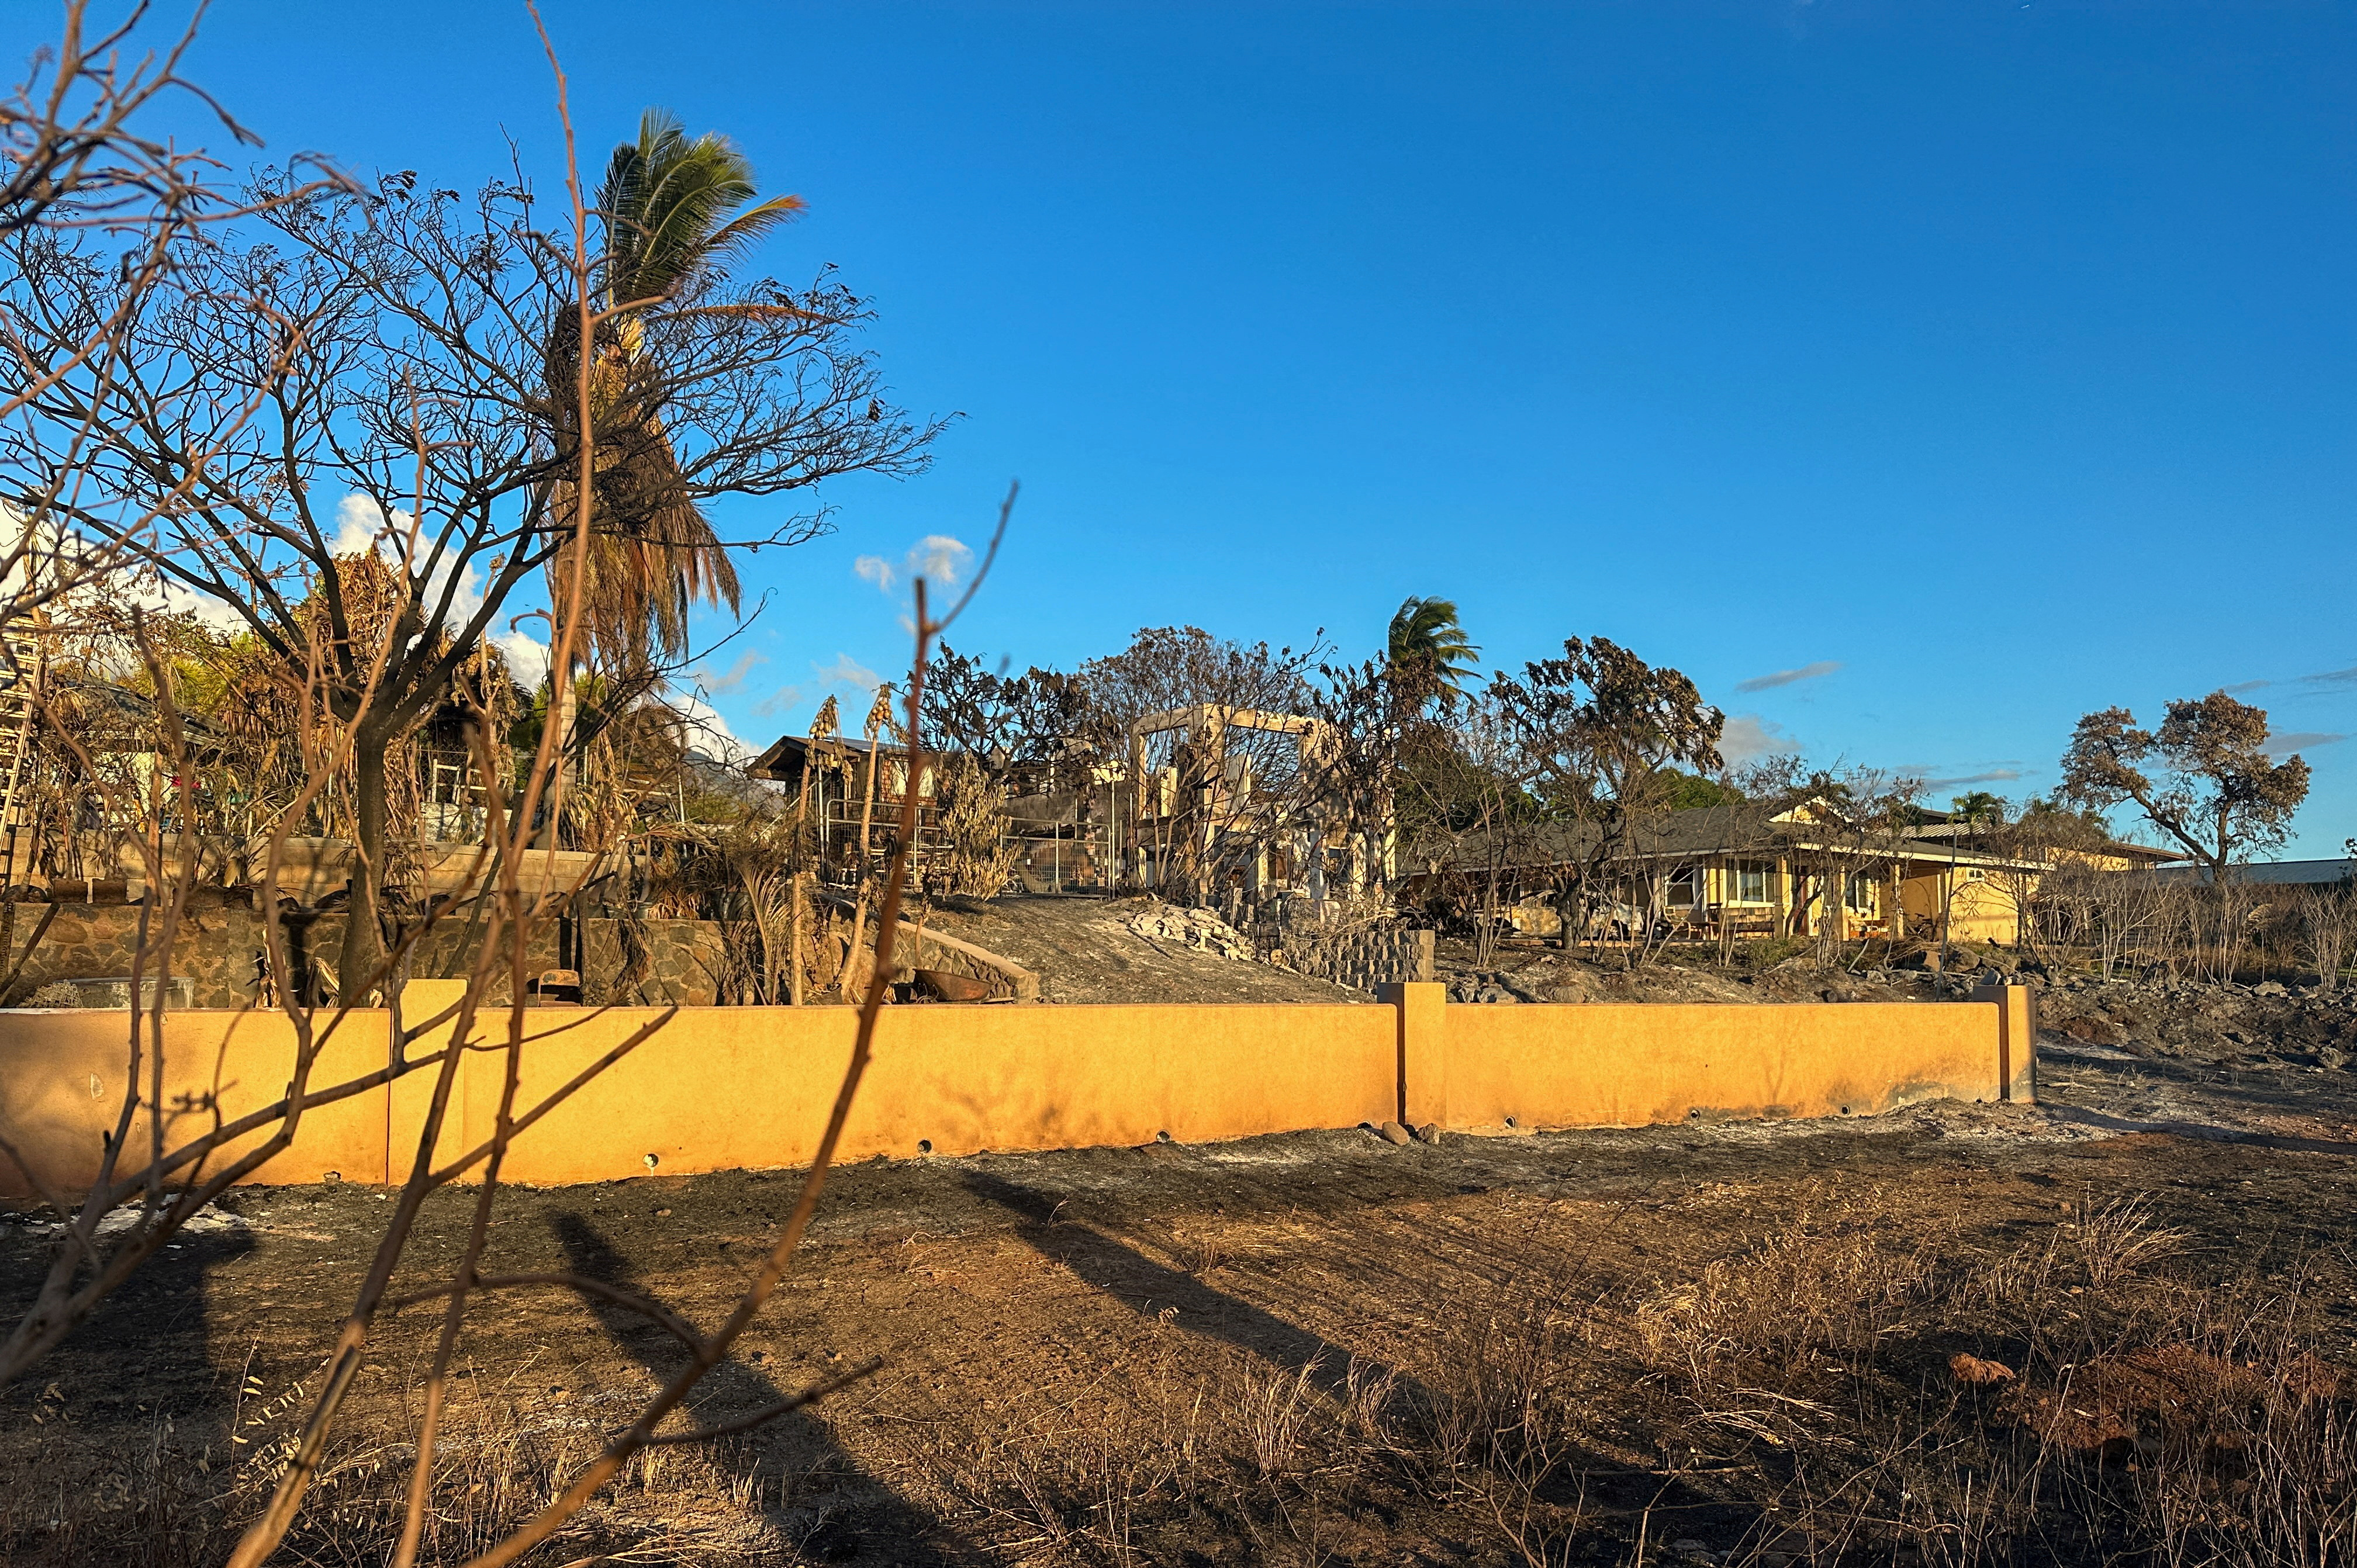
point(674, 212)
point(1428, 654)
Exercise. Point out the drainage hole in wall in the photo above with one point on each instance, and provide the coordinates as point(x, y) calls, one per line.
point(924, 1145)
point(654, 1160)
point(1845, 1110)
point(1163, 1136)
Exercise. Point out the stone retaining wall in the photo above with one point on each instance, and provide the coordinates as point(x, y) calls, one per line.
point(681, 960)
point(1361, 957)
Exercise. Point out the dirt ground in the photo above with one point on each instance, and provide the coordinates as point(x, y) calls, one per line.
point(1725, 1345)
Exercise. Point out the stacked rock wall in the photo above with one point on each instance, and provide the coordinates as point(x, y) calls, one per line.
point(220, 945)
point(1361, 957)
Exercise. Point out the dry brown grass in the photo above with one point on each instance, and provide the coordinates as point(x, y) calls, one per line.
point(2097, 1405)
point(159, 1505)
point(1794, 1398)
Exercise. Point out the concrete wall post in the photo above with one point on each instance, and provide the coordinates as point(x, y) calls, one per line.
point(1422, 1007)
point(2017, 1039)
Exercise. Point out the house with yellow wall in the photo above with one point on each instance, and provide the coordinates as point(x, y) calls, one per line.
point(1753, 871)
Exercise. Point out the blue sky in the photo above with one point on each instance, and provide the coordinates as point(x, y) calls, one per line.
point(1915, 376)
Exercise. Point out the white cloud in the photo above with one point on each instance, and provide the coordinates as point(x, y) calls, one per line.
point(1749, 737)
point(2299, 740)
point(782, 699)
point(1817, 671)
point(1988, 775)
point(721, 685)
point(708, 732)
point(939, 559)
point(359, 527)
point(361, 523)
point(527, 656)
point(211, 614)
point(847, 671)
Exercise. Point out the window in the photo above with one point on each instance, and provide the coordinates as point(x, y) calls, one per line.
point(1859, 893)
point(1746, 882)
point(1685, 887)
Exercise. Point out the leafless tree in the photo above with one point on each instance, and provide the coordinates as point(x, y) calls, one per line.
point(2324, 916)
point(1006, 723)
point(1467, 811)
point(1179, 804)
point(2127, 911)
point(365, 371)
point(82, 166)
point(2035, 848)
point(344, 678)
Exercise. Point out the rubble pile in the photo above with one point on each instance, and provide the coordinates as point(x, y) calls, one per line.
point(2295, 1026)
point(1492, 986)
point(1167, 925)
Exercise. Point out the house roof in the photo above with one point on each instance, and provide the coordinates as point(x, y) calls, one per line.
point(116, 718)
point(1935, 832)
point(1738, 829)
point(2269, 872)
point(789, 754)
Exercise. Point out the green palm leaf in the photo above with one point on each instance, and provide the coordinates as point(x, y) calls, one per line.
point(1428, 648)
point(667, 202)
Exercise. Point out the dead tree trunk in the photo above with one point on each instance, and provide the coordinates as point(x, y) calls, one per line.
point(363, 954)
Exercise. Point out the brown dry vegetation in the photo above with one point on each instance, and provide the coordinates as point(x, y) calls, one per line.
point(1600, 1346)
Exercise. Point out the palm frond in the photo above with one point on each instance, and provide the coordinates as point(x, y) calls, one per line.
point(668, 204)
point(741, 232)
point(674, 209)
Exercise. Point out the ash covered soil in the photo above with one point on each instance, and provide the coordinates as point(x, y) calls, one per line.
point(1085, 952)
point(1086, 1354)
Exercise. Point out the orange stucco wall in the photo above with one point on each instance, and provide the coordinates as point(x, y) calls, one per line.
point(722, 1089)
point(61, 1078)
point(730, 1088)
point(1628, 1066)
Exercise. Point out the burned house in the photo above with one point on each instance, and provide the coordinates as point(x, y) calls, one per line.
point(1209, 804)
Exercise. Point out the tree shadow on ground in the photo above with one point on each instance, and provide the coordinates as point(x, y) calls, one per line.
point(134, 1395)
point(1149, 1288)
point(857, 1518)
point(1153, 1289)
